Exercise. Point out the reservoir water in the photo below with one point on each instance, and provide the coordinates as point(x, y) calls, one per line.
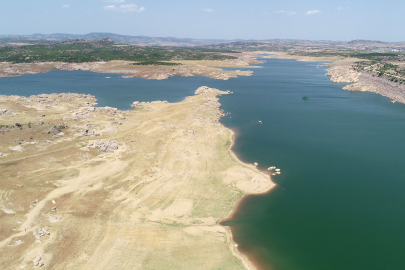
point(340, 199)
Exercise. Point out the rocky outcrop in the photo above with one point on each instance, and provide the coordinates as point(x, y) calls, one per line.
point(368, 82)
point(13, 71)
point(205, 89)
point(54, 100)
point(41, 233)
point(106, 110)
point(137, 104)
point(343, 73)
point(55, 130)
point(37, 261)
point(105, 146)
point(364, 81)
point(90, 132)
point(80, 66)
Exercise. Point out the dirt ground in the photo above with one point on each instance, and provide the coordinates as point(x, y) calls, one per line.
point(99, 188)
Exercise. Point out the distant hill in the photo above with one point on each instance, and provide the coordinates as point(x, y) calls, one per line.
point(138, 40)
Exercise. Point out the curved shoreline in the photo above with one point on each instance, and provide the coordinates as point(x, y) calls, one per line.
point(233, 245)
point(340, 70)
point(188, 68)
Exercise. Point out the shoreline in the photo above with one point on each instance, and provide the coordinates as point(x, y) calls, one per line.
point(340, 70)
point(233, 245)
point(187, 68)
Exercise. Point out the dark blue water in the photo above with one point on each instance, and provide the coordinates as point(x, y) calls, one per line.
point(339, 203)
point(340, 200)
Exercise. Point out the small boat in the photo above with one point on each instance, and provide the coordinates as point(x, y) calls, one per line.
point(305, 98)
point(108, 77)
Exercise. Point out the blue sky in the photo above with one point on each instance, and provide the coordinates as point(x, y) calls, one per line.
point(225, 19)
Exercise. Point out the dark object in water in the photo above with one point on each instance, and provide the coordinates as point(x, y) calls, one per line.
point(305, 98)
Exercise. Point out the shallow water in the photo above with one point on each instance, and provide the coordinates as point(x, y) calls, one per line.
point(339, 202)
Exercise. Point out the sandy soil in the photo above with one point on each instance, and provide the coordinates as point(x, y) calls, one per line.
point(99, 188)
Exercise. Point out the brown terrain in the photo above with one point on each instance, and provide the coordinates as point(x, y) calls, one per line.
point(86, 187)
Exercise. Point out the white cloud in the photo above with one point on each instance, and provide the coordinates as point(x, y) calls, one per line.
point(289, 13)
point(342, 8)
point(312, 12)
point(66, 6)
point(208, 10)
point(114, 1)
point(125, 8)
point(112, 7)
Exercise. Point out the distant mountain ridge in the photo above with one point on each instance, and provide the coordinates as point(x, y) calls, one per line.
point(184, 42)
point(137, 40)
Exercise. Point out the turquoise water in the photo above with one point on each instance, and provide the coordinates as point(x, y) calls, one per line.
point(339, 202)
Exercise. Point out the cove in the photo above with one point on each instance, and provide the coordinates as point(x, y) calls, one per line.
point(339, 202)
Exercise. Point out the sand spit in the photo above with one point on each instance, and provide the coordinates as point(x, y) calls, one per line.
point(100, 188)
point(209, 68)
point(341, 70)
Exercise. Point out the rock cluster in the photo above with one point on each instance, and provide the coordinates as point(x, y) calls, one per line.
point(105, 110)
point(184, 72)
point(79, 66)
point(17, 71)
point(90, 132)
point(137, 104)
point(5, 112)
point(34, 204)
point(205, 89)
point(81, 115)
point(55, 130)
point(108, 146)
point(41, 233)
point(37, 261)
point(274, 168)
point(53, 99)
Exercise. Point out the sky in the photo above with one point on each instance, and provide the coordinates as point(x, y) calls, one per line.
point(226, 19)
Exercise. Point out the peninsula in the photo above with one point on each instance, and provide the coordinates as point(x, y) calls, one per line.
point(87, 187)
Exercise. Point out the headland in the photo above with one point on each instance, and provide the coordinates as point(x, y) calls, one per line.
point(362, 75)
point(89, 187)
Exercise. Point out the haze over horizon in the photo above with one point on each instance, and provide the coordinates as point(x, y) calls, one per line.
point(292, 19)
